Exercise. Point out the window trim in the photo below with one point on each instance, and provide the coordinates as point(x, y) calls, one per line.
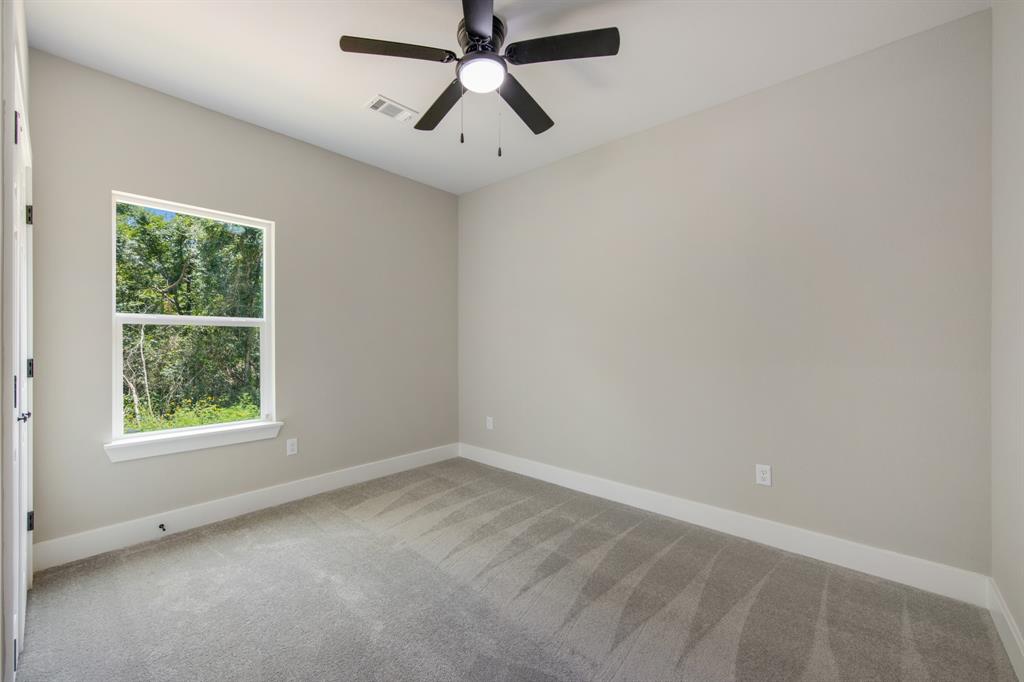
point(129, 446)
point(170, 441)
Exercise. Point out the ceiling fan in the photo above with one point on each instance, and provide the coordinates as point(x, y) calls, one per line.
point(483, 69)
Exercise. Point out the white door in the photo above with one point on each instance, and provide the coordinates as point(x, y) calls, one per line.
point(17, 484)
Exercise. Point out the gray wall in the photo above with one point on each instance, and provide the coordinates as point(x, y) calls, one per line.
point(366, 296)
point(799, 277)
point(1008, 303)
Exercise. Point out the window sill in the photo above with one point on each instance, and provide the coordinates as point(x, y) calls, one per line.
point(182, 440)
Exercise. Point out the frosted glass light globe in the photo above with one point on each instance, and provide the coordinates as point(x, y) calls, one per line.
point(482, 73)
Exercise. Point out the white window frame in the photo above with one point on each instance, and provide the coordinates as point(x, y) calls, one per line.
point(124, 446)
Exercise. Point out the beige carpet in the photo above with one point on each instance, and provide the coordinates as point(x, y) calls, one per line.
point(457, 571)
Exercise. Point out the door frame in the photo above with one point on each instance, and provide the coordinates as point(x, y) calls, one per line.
point(15, 564)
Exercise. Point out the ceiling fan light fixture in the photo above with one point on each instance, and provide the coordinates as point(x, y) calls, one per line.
point(484, 68)
point(482, 72)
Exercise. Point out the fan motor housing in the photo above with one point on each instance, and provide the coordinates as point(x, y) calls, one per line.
point(473, 44)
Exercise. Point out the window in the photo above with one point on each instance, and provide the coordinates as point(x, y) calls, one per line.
point(192, 328)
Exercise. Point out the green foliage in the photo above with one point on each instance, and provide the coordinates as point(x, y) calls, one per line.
point(174, 264)
point(187, 414)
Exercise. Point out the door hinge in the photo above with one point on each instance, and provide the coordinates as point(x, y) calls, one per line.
point(28, 214)
point(17, 125)
point(31, 525)
point(30, 368)
point(15, 654)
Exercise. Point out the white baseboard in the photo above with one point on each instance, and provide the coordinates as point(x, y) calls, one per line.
point(949, 581)
point(1009, 630)
point(88, 543)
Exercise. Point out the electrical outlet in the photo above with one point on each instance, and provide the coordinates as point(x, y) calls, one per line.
point(490, 423)
point(292, 446)
point(763, 474)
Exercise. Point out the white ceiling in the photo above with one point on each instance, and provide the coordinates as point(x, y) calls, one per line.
point(277, 64)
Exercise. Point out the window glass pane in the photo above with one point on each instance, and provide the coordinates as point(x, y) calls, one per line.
point(177, 376)
point(176, 264)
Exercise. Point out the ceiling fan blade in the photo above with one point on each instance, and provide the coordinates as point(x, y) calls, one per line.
point(513, 92)
point(602, 42)
point(479, 17)
point(390, 49)
point(441, 106)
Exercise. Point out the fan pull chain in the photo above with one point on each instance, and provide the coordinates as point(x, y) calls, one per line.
point(499, 127)
point(462, 119)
